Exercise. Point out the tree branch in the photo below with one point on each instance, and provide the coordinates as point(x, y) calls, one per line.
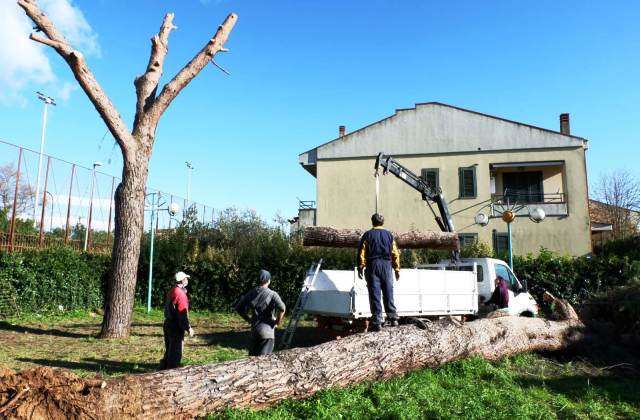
point(82, 74)
point(147, 84)
point(191, 70)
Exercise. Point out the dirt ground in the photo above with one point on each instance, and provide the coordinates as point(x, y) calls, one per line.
point(72, 344)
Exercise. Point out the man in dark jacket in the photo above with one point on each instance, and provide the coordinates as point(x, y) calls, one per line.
point(377, 251)
point(176, 322)
point(262, 301)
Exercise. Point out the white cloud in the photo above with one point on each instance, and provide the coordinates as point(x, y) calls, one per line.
point(71, 22)
point(64, 93)
point(23, 61)
point(25, 65)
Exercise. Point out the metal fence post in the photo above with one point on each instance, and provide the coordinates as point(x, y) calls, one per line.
point(12, 229)
point(44, 203)
point(66, 229)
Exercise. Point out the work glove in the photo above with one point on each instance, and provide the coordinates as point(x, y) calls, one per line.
point(191, 333)
point(360, 273)
point(397, 275)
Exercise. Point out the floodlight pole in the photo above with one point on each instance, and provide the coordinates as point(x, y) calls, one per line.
point(189, 170)
point(48, 100)
point(152, 237)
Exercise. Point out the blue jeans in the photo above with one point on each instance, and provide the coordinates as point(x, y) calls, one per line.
point(379, 277)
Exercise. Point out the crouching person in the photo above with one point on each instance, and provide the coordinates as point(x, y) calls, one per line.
point(262, 301)
point(176, 322)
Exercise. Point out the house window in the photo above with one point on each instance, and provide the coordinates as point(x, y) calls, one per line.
point(467, 179)
point(500, 243)
point(523, 187)
point(431, 177)
point(467, 239)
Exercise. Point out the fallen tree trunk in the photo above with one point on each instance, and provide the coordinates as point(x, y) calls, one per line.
point(260, 382)
point(349, 238)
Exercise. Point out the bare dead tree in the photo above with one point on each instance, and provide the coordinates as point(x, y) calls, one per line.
point(136, 145)
point(620, 192)
point(24, 202)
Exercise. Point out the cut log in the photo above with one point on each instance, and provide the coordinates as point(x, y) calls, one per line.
point(260, 382)
point(349, 238)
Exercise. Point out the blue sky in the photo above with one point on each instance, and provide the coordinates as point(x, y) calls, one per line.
point(299, 69)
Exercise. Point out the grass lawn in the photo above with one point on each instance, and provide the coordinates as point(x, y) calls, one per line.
point(525, 386)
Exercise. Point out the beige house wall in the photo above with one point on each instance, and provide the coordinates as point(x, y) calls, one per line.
point(346, 197)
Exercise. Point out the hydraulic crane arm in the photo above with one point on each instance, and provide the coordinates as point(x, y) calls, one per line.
point(429, 194)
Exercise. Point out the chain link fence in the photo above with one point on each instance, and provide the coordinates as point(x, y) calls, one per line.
point(49, 202)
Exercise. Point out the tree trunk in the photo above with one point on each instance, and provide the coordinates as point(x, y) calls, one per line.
point(129, 224)
point(260, 382)
point(349, 238)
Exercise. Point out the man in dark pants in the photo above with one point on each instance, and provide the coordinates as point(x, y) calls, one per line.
point(176, 322)
point(262, 301)
point(377, 251)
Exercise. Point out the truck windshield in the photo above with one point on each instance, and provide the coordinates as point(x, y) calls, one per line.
point(504, 272)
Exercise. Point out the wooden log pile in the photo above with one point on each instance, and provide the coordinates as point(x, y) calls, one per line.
point(349, 238)
point(260, 382)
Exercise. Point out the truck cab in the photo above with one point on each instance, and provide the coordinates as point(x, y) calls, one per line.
point(520, 301)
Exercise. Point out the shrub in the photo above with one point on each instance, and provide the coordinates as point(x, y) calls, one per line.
point(45, 279)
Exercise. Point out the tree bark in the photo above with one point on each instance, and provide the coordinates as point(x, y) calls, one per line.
point(260, 382)
point(349, 238)
point(129, 225)
point(136, 146)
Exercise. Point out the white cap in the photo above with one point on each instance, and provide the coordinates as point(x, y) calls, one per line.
point(181, 276)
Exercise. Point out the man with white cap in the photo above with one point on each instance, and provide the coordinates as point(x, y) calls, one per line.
point(176, 322)
point(262, 301)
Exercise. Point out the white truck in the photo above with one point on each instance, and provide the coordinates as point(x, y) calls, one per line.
point(435, 290)
point(487, 269)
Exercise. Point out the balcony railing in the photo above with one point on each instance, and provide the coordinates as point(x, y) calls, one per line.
point(552, 204)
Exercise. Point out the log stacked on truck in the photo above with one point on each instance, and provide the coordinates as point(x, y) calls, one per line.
point(349, 238)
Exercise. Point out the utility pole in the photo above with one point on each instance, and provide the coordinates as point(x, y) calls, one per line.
point(48, 100)
point(189, 170)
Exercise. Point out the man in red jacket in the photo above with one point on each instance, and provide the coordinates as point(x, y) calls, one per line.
point(176, 322)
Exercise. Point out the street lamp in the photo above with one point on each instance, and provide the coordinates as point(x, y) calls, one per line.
point(189, 170)
point(88, 227)
point(154, 206)
point(48, 100)
point(508, 215)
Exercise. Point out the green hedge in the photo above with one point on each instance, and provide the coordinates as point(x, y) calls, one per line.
point(45, 279)
point(574, 279)
point(224, 260)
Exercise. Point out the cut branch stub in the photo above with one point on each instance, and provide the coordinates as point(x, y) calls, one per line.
point(349, 238)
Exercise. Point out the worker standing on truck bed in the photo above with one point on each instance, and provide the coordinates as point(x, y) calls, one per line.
point(377, 251)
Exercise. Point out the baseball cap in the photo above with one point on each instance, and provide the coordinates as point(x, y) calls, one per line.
point(180, 275)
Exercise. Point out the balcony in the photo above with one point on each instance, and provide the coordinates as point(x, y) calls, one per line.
point(552, 204)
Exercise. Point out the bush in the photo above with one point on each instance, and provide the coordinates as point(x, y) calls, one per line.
point(45, 279)
point(574, 279)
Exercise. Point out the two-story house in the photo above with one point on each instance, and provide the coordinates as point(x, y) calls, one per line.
point(477, 160)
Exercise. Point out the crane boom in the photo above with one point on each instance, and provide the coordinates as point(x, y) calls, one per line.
point(428, 193)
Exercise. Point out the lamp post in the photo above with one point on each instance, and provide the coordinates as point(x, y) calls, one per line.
point(88, 227)
point(508, 215)
point(48, 100)
point(153, 204)
point(189, 170)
